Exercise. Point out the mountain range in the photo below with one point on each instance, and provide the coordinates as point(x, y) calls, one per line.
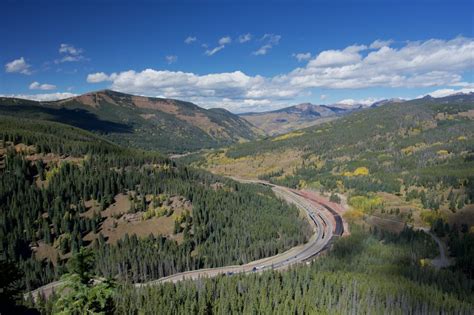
point(294, 117)
point(166, 125)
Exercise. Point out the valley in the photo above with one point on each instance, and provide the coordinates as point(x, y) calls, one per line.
point(337, 189)
point(227, 157)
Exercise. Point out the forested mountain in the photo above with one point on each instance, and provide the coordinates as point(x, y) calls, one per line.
point(142, 122)
point(366, 273)
point(294, 117)
point(426, 141)
point(63, 188)
point(370, 271)
point(412, 162)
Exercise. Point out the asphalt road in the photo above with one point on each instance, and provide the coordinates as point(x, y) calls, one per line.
point(316, 214)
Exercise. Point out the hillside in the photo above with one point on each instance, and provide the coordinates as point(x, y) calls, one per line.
point(167, 125)
point(294, 117)
point(416, 156)
point(63, 188)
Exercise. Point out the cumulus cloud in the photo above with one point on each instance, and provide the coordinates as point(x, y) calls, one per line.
point(99, 77)
point(18, 66)
point(427, 63)
point(377, 44)
point(42, 97)
point(70, 53)
point(269, 41)
point(190, 40)
point(302, 56)
point(245, 38)
point(232, 90)
point(44, 87)
point(171, 59)
point(334, 58)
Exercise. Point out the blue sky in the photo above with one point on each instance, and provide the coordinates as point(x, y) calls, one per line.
point(244, 56)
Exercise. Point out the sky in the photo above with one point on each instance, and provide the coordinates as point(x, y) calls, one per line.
point(243, 56)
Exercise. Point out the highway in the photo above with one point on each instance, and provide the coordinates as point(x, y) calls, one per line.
point(318, 215)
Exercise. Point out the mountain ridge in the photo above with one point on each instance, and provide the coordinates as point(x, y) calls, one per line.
point(167, 125)
point(293, 117)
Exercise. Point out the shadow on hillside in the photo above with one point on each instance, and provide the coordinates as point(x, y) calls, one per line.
point(75, 117)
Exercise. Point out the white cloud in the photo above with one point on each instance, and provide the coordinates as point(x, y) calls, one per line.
point(323, 96)
point(70, 54)
point(302, 56)
point(210, 52)
point(334, 58)
point(171, 59)
point(448, 92)
point(42, 97)
point(417, 64)
point(245, 38)
point(269, 41)
point(225, 40)
point(427, 63)
point(190, 40)
point(18, 66)
point(99, 77)
point(222, 43)
point(351, 103)
point(69, 49)
point(377, 44)
point(232, 90)
point(44, 87)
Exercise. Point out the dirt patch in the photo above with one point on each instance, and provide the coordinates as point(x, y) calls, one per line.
point(92, 207)
point(121, 205)
point(51, 158)
point(43, 251)
point(468, 114)
point(386, 224)
point(463, 216)
point(167, 106)
point(86, 99)
point(134, 223)
point(23, 148)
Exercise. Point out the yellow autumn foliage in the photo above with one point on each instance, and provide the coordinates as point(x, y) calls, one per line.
point(365, 204)
point(289, 135)
point(353, 215)
point(360, 171)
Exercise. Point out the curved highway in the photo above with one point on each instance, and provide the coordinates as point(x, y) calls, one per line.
point(317, 214)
